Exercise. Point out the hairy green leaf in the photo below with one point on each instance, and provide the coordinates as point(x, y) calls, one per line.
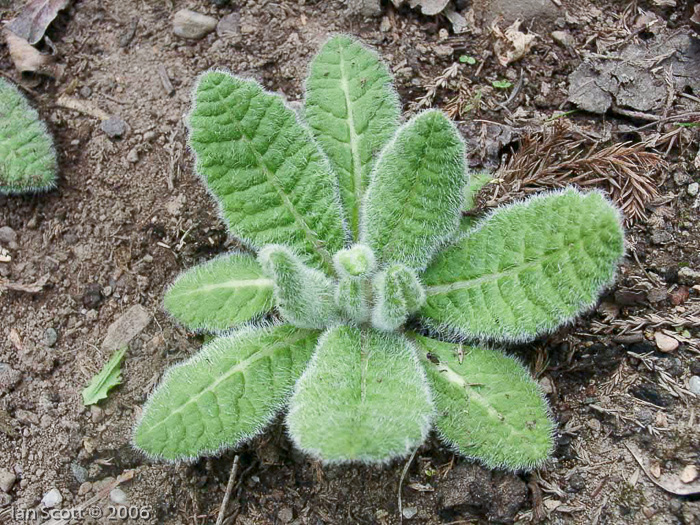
point(225, 394)
point(220, 294)
point(363, 398)
point(304, 296)
point(398, 293)
point(270, 178)
point(356, 261)
point(353, 111)
point(488, 406)
point(526, 269)
point(27, 158)
point(109, 377)
point(413, 202)
point(352, 298)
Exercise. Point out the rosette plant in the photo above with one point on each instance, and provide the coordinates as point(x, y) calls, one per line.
point(378, 290)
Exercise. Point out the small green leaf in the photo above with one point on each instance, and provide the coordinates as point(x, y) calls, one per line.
point(466, 59)
point(352, 298)
point(273, 183)
point(220, 294)
point(303, 295)
point(109, 377)
point(413, 202)
point(363, 398)
point(488, 406)
point(356, 261)
point(527, 269)
point(502, 84)
point(225, 394)
point(27, 158)
point(398, 293)
point(353, 111)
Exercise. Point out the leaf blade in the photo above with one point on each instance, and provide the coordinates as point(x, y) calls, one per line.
point(526, 269)
point(413, 203)
point(488, 406)
point(272, 182)
point(362, 398)
point(107, 378)
point(353, 111)
point(220, 293)
point(225, 394)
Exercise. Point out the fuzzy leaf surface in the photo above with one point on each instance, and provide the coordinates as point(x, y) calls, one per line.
point(27, 158)
point(488, 405)
point(526, 269)
point(353, 111)
point(271, 180)
point(220, 294)
point(225, 394)
point(363, 398)
point(413, 202)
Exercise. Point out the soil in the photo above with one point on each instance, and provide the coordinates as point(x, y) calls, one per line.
point(129, 214)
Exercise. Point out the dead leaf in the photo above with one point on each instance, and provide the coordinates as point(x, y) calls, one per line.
point(28, 59)
point(668, 482)
point(36, 16)
point(512, 45)
point(16, 340)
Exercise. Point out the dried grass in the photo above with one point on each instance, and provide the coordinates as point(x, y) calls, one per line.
point(559, 155)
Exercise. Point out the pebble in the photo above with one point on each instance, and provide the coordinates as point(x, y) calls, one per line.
point(693, 189)
point(444, 50)
point(5, 499)
point(84, 488)
point(229, 26)
point(9, 377)
point(694, 385)
point(118, 496)
point(123, 330)
point(7, 479)
point(80, 473)
point(689, 474)
point(191, 25)
point(645, 416)
point(409, 512)
point(8, 235)
point(51, 499)
point(50, 337)
point(661, 237)
point(92, 297)
point(114, 127)
point(665, 343)
point(688, 276)
point(285, 515)
point(563, 38)
point(133, 156)
point(576, 482)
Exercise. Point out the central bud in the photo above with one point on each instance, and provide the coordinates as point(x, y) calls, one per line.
point(306, 297)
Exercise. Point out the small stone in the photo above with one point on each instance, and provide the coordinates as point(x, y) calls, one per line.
point(689, 474)
point(85, 488)
point(118, 496)
point(444, 50)
point(50, 337)
point(563, 38)
point(594, 424)
point(191, 25)
point(51, 499)
point(645, 416)
point(285, 515)
point(577, 482)
point(92, 297)
point(133, 156)
point(80, 473)
point(695, 367)
point(229, 26)
point(149, 136)
point(9, 377)
point(409, 512)
point(123, 330)
point(385, 25)
point(693, 189)
point(85, 91)
point(8, 235)
point(665, 343)
point(688, 276)
point(694, 385)
point(114, 127)
point(546, 385)
point(657, 295)
point(25, 417)
point(5, 499)
point(661, 237)
point(96, 414)
point(7, 479)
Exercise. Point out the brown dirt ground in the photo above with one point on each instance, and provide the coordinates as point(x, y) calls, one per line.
point(127, 228)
